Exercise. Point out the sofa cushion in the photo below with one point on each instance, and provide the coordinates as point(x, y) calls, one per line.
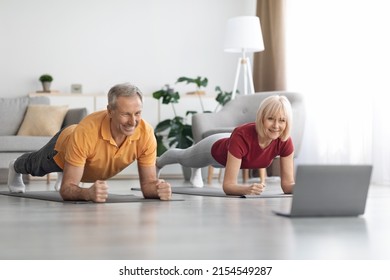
point(12, 112)
point(22, 143)
point(42, 120)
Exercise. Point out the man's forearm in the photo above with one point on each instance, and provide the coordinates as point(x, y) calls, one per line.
point(74, 192)
point(149, 190)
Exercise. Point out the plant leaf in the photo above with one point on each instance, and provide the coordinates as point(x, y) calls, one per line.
point(163, 125)
point(223, 97)
point(160, 145)
point(167, 94)
point(199, 81)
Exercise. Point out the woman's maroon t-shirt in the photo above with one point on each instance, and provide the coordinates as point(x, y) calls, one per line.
point(243, 143)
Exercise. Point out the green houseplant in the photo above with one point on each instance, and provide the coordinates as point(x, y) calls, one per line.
point(46, 80)
point(178, 132)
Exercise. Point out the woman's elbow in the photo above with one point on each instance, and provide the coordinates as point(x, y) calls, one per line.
point(287, 188)
point(225, 189)
point(228, 189)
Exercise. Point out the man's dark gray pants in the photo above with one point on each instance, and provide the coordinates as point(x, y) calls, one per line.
point(41, 162)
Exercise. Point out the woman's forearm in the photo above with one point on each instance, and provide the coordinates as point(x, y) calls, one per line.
point(241, 189)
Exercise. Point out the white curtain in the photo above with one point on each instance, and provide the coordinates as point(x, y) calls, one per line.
point(337, 55)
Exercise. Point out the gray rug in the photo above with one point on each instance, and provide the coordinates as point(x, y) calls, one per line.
point(55, 196)
point(207, 191)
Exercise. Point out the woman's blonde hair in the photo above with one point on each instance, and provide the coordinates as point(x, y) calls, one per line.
point(270, 107)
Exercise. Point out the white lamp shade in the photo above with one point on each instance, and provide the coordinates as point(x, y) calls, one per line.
point(243, 34)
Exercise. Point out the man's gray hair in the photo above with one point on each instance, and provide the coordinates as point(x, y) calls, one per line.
point(125, 89)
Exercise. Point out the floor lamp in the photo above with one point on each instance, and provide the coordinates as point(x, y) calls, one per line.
point(243, 35)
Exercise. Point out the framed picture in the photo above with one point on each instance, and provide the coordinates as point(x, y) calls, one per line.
point(76, 88)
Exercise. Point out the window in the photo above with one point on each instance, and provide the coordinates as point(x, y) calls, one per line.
point(338, 56)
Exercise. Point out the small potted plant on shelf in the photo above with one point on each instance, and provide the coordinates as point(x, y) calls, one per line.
point(46, 80)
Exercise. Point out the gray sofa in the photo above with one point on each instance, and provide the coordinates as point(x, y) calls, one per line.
point(12, 111)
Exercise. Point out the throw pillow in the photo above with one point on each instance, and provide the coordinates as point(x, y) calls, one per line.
point(42, 120)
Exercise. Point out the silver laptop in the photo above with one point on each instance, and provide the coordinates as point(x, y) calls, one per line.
point(330, 190)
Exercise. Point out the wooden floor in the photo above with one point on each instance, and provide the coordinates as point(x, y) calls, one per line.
point(197, 228)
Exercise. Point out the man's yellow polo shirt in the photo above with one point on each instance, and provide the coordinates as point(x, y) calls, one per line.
point(90, 144)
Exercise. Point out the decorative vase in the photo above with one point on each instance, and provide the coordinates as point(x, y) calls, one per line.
point(46, 86)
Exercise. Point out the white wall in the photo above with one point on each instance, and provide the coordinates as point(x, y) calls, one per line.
point(99, 43)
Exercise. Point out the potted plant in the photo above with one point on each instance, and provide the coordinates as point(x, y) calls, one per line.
point(179, 133)
point(46, 80)
point(176, 131)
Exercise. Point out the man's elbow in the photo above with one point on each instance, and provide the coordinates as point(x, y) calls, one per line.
point(64, 194)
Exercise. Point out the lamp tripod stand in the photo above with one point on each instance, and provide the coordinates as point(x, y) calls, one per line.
point(244, 62)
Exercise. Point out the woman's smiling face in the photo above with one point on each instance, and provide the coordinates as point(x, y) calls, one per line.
point(274, 126)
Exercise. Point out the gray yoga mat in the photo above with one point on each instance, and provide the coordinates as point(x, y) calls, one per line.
point(55, 196)
point(207, 191)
